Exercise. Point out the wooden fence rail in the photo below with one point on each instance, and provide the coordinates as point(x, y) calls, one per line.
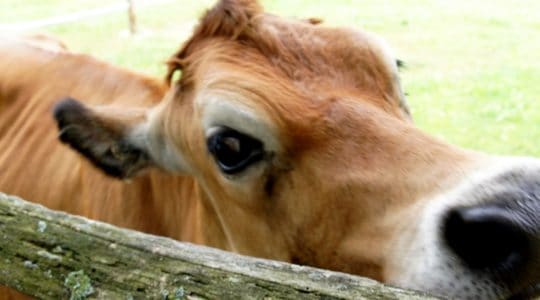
point(54, 255)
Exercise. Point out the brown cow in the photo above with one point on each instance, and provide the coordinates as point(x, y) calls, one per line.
point(282, 139)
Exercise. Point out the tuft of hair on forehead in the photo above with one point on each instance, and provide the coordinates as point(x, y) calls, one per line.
point(300, 50)
point(228, 18)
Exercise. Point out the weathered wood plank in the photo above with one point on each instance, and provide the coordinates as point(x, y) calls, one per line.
point(50, 255)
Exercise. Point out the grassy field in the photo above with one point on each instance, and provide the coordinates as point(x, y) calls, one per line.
point(473, 70)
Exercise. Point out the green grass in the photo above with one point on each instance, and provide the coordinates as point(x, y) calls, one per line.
point(472, 73)
point(15, 11)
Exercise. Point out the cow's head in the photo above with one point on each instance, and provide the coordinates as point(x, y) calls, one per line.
point(299, 138)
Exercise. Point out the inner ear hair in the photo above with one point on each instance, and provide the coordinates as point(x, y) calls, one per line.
point(102, 139)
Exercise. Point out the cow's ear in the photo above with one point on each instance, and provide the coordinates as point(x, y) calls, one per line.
point(104, 136)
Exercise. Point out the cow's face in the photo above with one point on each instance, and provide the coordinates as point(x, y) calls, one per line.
point(300, 141)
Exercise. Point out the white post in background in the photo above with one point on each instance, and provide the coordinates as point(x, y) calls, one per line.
point(132, 17)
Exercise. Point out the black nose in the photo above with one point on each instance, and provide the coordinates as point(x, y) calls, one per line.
point(486, 237)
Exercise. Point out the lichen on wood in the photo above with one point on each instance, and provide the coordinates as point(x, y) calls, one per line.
point(79, 285)
point(52, 255)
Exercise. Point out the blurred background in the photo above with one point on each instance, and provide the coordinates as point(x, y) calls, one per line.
point(472, 70)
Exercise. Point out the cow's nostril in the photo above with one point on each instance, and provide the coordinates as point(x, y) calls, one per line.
point(485, 237)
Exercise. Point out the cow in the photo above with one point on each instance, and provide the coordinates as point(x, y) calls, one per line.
point(280, 138)
point(44, 41)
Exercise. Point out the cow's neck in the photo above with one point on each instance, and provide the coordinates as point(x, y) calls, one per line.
point(169, 205)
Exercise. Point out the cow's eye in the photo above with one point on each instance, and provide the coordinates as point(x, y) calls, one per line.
point(234, 151)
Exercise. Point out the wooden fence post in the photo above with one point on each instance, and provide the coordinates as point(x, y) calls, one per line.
point(132, 17)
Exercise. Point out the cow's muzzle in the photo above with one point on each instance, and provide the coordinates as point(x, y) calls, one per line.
point(500, 236)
